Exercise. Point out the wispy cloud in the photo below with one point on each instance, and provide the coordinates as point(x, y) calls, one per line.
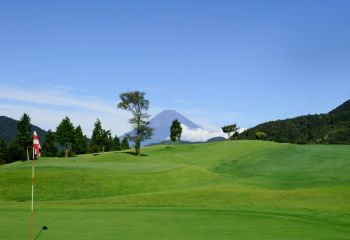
point(47, 107)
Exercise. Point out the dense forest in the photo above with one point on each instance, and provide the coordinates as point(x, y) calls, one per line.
point(330, 128)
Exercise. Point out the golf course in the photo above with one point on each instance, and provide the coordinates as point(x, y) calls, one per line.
point(223, 190)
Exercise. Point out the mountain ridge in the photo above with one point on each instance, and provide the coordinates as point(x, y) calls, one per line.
point(8, 129)
point(329, 128)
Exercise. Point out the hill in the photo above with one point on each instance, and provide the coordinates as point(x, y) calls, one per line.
point(8, 129)
point(241, 189)
point(330, 128)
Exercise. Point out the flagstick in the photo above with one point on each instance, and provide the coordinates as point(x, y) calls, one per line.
point(32, 209)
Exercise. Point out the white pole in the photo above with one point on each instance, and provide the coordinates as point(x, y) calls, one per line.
point(32, 208)
point(33, 182)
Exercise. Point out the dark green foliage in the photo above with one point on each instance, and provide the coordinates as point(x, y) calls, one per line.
point(322, 129)
point(3, 151)
point(136, 103)
point(175, 130)
point(14, 152)
point(101, 139)
point(97, 138)
point(24, 136)
point(229, 129)
point(65, 133)
point(344, 108)
point(116, 143)
point(125, 144)
point(49, 145)
point(79, 145)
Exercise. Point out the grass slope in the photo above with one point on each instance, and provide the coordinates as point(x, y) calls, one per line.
point(221, 190)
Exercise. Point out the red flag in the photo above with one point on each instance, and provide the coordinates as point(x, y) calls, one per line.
point(36, 145)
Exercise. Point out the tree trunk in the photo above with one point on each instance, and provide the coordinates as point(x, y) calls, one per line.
point(27, 154)
point(137, 148)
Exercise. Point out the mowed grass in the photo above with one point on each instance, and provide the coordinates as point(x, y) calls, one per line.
point(224, 190)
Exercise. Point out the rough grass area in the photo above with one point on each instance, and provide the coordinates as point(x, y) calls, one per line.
point(223, 190)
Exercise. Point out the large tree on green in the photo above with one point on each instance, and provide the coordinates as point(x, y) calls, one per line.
point(228, 129)
point(79, 145)
point(65, 133)
point(49, 145)
point(136, 103)
point(24, 136)
point(175, 130)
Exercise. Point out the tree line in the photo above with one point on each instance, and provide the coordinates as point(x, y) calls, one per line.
point(66, 141)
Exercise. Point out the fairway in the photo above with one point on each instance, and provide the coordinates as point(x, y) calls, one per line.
point(223, 190)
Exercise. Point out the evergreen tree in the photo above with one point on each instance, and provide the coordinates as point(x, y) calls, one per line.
point(175, 130)
point(65, 133)
point(49, 145)
point(116, 143)
point(125, 144)
point(3, 151)
point(97, 137)
point(24, 136)
point(14, 152)
point(79, 145)
point(107, 140)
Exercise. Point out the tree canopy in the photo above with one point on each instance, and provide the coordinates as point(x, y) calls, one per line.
point(175, 130)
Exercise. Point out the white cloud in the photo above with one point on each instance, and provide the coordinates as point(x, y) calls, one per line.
point(48, 106)
point(200, 134)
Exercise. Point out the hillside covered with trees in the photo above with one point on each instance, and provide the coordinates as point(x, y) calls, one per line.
point(330, 128)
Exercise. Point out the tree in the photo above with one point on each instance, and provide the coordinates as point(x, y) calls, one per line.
point(24, 136)
point(101, 139)
point(175, 130)
point(107, 141)
point(49, 145)
point(229, 129)
point(136, 103)
point(260, 135)
point(79, 145)
point(125, 144)
point(65, 133)
point(116, 143)
point(14, 152)
point(3, 151)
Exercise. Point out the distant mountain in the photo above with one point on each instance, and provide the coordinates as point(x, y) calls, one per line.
point(216, 139)
point(330, 128)
point(344, 108)
point(161, 124)
point(8, 129)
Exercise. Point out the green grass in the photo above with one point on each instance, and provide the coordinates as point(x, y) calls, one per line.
point(223, 190)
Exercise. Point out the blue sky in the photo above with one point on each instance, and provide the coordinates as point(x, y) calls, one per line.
point(216, 62)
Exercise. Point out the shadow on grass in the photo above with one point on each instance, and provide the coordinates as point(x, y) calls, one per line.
point(133, 154)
